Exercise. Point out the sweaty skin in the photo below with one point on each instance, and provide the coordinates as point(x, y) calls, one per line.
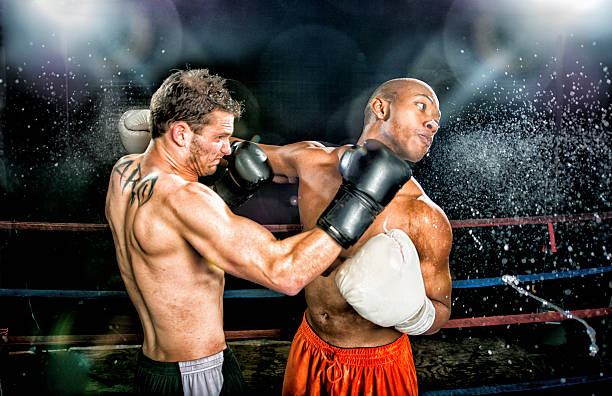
point(406, 124)
point(175, 238)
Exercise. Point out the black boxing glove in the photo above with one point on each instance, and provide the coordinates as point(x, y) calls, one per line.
point(371, 176)
point(247, 170)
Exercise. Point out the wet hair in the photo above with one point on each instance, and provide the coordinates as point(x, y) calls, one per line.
point(189, 96)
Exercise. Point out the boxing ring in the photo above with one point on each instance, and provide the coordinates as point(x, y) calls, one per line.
point(23, 344)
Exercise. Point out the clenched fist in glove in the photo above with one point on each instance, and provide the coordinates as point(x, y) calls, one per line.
point(247, 170)
point(134, 130)
point(371, 176)
point(382, 281)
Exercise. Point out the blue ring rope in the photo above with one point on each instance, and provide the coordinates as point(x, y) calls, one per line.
point(521, 387)
point(266, 293)
point(497, 281)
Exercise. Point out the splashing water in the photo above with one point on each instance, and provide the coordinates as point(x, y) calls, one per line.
point(513, 281)
point(525, 147)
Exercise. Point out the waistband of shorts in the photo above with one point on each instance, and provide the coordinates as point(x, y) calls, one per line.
point(361, 356)
point(157, 367)
point(202, 364)
point(174, 368)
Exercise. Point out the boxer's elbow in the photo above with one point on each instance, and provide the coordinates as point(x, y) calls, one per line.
point(290, 287)
point(442, 316)
point(293, 290)
point(284, 278)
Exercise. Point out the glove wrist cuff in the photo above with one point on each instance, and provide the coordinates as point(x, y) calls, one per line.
point(348, 216)
point(421, 322)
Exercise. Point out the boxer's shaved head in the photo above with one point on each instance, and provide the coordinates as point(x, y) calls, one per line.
point(391, 90)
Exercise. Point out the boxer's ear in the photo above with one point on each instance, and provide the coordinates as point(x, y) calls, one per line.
point(380, 108)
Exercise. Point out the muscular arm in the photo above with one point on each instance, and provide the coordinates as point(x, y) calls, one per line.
point(245, 249)
point(434, 244)
point(434, 230)
point(287, 160)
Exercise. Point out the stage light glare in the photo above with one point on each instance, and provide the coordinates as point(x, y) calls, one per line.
point(580, 17)
point(70, 15)
point(570, 7)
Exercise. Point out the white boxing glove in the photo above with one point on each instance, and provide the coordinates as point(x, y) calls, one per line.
point(383, 283)
point(134, 130)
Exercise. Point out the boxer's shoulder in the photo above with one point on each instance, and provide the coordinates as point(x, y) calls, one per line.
point(314, 156)
point(182, 192)
point(415, 195)
point(418, 211)
point(130, 157)
point(126, 163)
point(317, 150)
point(430, 227)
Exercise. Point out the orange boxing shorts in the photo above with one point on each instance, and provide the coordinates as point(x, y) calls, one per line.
point(316, 368)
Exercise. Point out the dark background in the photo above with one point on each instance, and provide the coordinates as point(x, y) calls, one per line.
point(524, 88)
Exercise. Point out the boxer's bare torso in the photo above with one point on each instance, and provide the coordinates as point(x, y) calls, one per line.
point(176, 238)
point(332, 318)
point(177, 292)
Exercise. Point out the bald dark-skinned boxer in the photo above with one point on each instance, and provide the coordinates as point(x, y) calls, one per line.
point(395, 281)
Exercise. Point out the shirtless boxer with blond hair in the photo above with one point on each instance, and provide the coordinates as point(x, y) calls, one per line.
point(175, 238)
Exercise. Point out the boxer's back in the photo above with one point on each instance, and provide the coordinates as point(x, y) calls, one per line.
point(332, 318)
point(175, 291)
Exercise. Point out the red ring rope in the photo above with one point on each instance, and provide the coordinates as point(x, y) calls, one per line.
point(524, 318)
point(505, 221)
point(118, 339)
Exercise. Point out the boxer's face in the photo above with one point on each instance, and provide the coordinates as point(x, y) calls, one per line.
point(414, 121)
point(211, 142)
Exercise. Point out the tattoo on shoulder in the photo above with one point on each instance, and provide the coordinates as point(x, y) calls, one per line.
point(132, 177)
point(143, 192)
point(122, 167)
point(141, 188)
